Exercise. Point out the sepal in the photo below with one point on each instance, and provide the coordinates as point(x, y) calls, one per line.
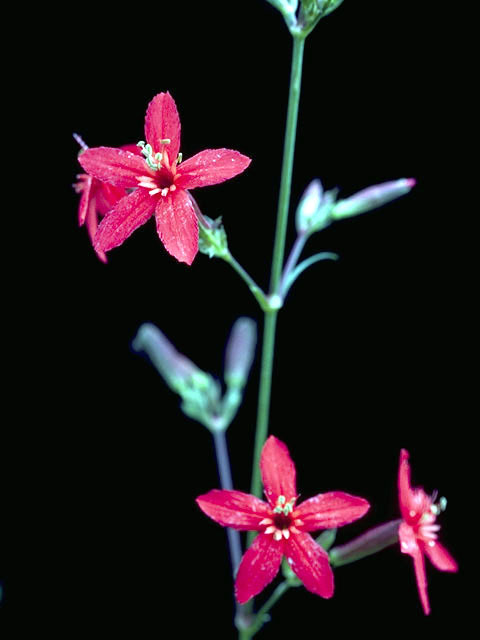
point(212, 238)
point(327, 538)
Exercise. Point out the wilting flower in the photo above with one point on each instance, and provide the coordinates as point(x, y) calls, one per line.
point(283, 527)
point(418, 530)
point(159, 181)
point(97, 198)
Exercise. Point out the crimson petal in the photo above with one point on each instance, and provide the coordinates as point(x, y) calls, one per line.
point(210, 167)
point(421, 578)
point(330, 510)
point(92, 226)
point(162, 121)
point(258, 567)
point(278, 471)
point(86, 185)
point(309, 561)
point(115, 166)
point(440, 557)
point(404, 488)
point(409, 545)
point(130, 213)
point(234, 509)
point(177, 225)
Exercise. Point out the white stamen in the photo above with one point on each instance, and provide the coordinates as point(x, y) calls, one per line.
point(154, 192)
point(147, 185)
point(277, 535)
point(164, 191)
point(286, 534)
point(266, 521)
point(270, 530)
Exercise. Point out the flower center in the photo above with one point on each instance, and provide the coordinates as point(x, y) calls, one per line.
point(282, 524)
point(164, 180)
point(426, 515)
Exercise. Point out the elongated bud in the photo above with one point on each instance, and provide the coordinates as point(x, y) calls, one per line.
point(372, 197)
point(240, 351)
point(309, 205)
point(177, 370)
point(373, 541)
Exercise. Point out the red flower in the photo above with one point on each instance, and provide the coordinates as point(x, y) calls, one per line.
point(160, 182)
point(283, 528)
point(418, 531)
point(97, 198)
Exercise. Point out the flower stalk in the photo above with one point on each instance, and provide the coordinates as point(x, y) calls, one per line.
point(270, 324)
point(367, 544)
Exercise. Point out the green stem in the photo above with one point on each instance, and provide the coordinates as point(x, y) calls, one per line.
point(262, 617)
point(287, 165)
point(250, 282)
point(277, 262)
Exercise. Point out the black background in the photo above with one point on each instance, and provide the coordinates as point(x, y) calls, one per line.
point(101, 468)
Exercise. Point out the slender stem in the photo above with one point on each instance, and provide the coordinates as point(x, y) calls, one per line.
point(287, 165)
point(223, 465)
point(263, 611)
point(250, 282)
point(233, 536)
point(292, 260)
point(264, 394)
point(277, 262)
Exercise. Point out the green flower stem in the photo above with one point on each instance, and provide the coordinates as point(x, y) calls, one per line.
point(287, 164)
point(262, 615)
point(367, 544)
point(277, 262)
point(250, 282)
point(292, 260)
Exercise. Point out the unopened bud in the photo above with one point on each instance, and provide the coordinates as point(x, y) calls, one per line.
point(372, 197)
point(309, 205)
point(177, 370)
point(315, 207)
point(240, 351)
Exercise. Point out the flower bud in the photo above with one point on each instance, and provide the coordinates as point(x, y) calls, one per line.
point(177, 370)
point(240, 351)
point(314, 210)
point(372, 197)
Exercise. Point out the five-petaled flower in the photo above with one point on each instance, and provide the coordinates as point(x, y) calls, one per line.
point(418, 532)
point(160, 183)
point(283, 527)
